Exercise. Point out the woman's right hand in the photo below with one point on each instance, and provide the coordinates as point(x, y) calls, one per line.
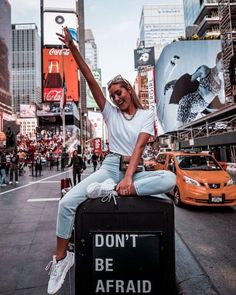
point(66, 38)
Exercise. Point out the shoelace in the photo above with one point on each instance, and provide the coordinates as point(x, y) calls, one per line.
point(51, 268)
point(108, 196)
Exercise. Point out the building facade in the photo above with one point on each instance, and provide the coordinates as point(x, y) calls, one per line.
point(5, 61)
point(90, 49)
point(201, 18)
point(26, 65)
point(160, 25)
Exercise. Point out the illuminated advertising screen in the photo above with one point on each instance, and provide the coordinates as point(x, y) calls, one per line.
point(53, 109)
point(27, 111)
point(189, 83)
point(59, 63)
point(53, 23)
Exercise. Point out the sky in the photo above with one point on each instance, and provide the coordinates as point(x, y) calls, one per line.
point(114, 23)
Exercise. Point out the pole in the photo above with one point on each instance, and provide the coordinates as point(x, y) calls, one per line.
point(63, 128)
point(82, 103)
point(63, 99)
point(42, 44)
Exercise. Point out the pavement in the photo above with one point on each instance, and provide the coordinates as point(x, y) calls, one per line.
point(27, 240)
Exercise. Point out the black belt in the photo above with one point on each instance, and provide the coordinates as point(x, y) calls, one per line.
point(115, 154)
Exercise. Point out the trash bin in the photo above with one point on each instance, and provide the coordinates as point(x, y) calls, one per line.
point(126, 248)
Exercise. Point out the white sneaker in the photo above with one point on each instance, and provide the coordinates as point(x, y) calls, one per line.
point(17, 181)
point(4, 184)
point(104, 190)
point(58, 271)
point(10, 182)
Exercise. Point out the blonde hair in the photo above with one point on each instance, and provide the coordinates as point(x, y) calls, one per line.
point(125, 84)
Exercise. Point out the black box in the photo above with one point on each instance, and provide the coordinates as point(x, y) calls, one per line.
point(126, 248)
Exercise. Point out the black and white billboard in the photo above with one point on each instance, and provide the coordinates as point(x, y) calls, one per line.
point(189, 82)
point(144, 57)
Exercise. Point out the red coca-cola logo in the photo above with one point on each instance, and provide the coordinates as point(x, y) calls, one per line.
point(52, 94)
point(55, 51)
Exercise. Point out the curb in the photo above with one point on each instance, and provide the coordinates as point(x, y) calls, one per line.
point(190, 276)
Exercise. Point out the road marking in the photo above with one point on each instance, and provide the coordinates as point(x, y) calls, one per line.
point(43, 200)
point(50, 181)
point(31, 183)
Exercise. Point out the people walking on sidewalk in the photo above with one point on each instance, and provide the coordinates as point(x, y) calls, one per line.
point(94, 161)
point(77, 164)
point(129, 129)
point(38, 164)
point(14, 167)
point(2, 169)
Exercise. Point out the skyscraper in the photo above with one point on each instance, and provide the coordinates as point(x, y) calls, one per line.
point(90, 49)
point(160, 25)
point(26, 65)
point(5, 59)
point(201, 18)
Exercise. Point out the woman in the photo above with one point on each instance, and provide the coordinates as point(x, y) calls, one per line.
point(77, 163)
point(129, 128)
point(210, 87)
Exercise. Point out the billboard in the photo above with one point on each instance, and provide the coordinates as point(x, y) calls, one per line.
point(97, 145)
point(54, 21)
point(144, 57)
point(96, 120)
point(57, 61)
point(53, 109)
point(27, 111)
point(91, 103)
point(189, 82)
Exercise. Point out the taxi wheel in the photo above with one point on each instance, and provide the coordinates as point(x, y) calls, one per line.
point(177, 198)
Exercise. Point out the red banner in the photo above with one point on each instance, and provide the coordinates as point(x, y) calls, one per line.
point(97, 145)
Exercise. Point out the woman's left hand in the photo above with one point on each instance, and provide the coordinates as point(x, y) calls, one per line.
point(124, 186)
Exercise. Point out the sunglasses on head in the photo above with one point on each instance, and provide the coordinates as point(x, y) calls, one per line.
point(117, 79)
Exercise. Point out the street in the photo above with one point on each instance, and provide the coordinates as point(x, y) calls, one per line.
point(27, 241)
point(210, 233)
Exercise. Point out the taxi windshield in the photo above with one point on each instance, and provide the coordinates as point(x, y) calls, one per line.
point(195, 162)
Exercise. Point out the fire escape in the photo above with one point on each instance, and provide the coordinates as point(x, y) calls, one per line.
point(227, 19)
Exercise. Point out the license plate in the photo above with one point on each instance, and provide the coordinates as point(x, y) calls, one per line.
point(216, 199)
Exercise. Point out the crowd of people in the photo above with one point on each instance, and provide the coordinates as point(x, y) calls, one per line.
point(44, 150)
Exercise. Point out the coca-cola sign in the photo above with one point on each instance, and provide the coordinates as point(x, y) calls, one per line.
point(55, 51)
point(59, 69)
point(52, 94)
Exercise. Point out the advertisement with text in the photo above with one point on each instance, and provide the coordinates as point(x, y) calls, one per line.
point(59, 68)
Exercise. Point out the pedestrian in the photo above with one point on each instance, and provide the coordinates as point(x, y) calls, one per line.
point(77, 164)
point(64, 157)
point(38, 165)
point(8, 162)
point(129, 128)
point(2, 169)
point(94, 161)
point(89, 156)
point(14, 167)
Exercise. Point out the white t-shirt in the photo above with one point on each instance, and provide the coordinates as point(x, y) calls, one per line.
point(122, 133)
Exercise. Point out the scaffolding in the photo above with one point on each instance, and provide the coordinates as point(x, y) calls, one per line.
point(227, 20)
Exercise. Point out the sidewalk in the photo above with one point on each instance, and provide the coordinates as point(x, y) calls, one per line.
point(27, 241)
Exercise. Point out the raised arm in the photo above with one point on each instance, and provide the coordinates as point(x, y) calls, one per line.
point(84, 68)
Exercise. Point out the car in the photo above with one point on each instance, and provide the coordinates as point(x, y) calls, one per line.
point(200, 179)
point(150, 164)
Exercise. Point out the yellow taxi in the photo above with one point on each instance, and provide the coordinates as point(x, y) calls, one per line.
point(200, 181)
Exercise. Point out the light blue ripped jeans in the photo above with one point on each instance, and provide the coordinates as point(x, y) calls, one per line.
point(146, 183)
